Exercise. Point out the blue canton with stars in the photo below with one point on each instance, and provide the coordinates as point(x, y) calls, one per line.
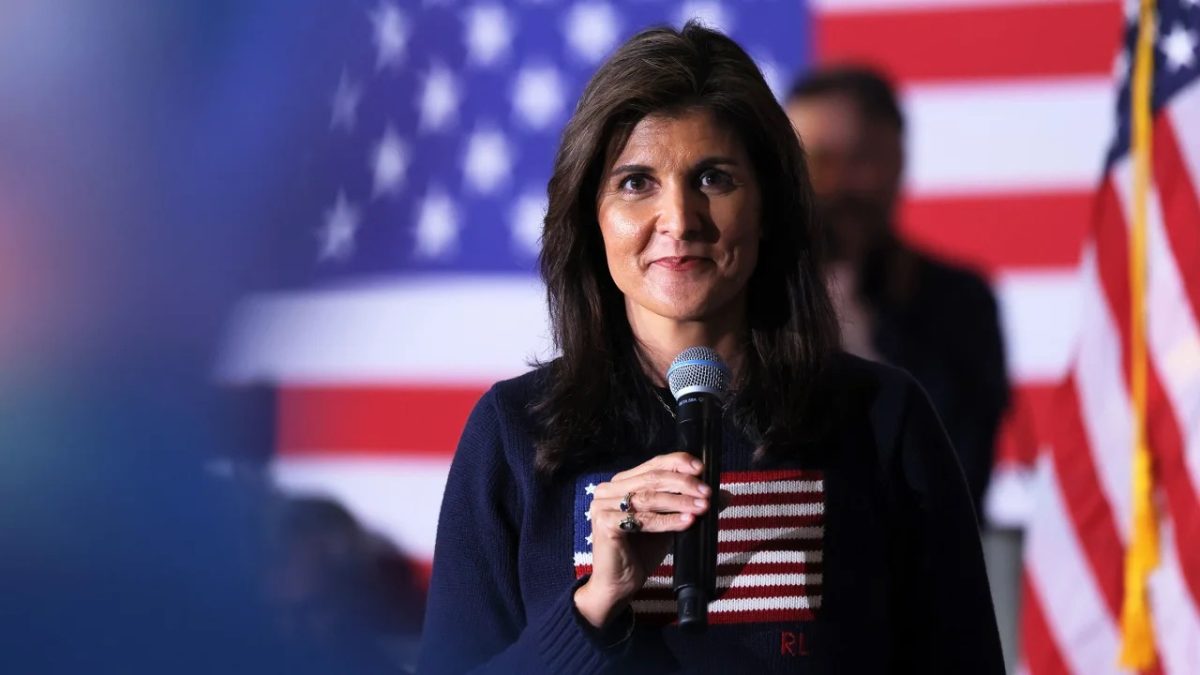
point(1176, 61)
point(442, 119)
point(584, 486)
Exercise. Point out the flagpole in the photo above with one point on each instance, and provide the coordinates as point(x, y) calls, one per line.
point(1137, 631)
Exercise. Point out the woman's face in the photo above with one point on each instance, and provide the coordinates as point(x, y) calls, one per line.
point(680, 212)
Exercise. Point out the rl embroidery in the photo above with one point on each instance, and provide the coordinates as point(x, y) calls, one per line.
point(769, 549)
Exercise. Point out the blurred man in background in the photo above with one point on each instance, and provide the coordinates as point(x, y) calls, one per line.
point(896, 304)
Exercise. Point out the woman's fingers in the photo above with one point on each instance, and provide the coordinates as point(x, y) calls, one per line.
point(609, 522)
point(680, 462)
point(657, 480)
point(653, 502)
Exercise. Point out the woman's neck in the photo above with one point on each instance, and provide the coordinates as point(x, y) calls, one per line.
point(660, 339)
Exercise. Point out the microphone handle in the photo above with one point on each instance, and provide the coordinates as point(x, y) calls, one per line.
point(699, 433)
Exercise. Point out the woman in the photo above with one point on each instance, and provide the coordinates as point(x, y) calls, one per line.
point(680, 215)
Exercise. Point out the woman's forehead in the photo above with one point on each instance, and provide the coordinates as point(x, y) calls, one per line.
point(679, 134)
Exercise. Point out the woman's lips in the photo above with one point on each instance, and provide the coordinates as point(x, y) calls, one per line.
point(681, 263)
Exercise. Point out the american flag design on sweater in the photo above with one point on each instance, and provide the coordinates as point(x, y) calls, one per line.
point(769, 551)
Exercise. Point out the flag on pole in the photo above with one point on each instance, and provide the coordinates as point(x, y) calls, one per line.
point(1112, 567)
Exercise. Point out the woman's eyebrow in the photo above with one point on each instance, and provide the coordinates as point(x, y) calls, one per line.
point(715, 160)
point(631, 168)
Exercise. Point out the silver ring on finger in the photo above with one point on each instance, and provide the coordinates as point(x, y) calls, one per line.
point(630, 524)
point(626, 504)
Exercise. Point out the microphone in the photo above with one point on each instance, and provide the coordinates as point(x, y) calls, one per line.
point(699, 381)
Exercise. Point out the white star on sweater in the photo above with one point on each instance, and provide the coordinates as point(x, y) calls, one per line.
point(590, 489)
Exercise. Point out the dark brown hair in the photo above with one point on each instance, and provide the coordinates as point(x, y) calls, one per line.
point(597, 400)
point(866, 87)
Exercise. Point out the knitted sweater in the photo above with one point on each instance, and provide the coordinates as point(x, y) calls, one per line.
point(862, 557)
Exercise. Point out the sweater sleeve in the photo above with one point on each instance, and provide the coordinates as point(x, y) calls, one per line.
point(952, 624)
point(475, 619)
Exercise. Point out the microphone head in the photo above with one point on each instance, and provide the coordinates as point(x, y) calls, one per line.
point(698, 369)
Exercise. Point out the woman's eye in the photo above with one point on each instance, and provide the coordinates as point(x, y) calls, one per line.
point(714, 178)
point(634, 183)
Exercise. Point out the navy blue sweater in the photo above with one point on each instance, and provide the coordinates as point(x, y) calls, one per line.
point(894, 578)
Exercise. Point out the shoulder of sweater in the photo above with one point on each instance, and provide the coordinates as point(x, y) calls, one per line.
point(848, 372)
point(514, 395)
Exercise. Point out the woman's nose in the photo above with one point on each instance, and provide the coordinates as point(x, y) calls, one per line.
point(679, 215)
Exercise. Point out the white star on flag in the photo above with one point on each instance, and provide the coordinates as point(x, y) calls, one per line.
point(344, 103)
point(488, 160)
point(489, 34)
point(437, 225)
point(439, 99)
point(591, 29)
point(538, 96)
point(1179, 46)
point(1121, 66)
point(526, 222)
point(390, 35)
point(710, 14)
point(336, 235)
point(389, 163)
point(773, 76)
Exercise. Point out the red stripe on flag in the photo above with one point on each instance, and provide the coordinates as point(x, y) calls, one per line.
point(1041, 654)
point(1026, 424)
point(998, 231)
point(782, 474)
point(1172, 473)
point(328, 420)
point(1085, 500)
point(1180, 208)
point(947, 43)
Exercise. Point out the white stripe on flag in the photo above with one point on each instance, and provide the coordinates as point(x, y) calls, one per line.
point(409, 332)
point(730, 605)
point(774, 487)
point(773, 510)
point(1077, 616)
point(979, 138)
point(739, 558)
point(1176, 617)
point(1172, 331)
point(746, 580)
point(1103, 396)
point(1183, 113)
point(770, 533)
point(1040, 317)
point(405, 330)
point(399, 498)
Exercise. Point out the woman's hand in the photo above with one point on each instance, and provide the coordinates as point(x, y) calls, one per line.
point(666, 495)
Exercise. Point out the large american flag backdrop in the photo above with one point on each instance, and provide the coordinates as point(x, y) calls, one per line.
point(425, 186)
